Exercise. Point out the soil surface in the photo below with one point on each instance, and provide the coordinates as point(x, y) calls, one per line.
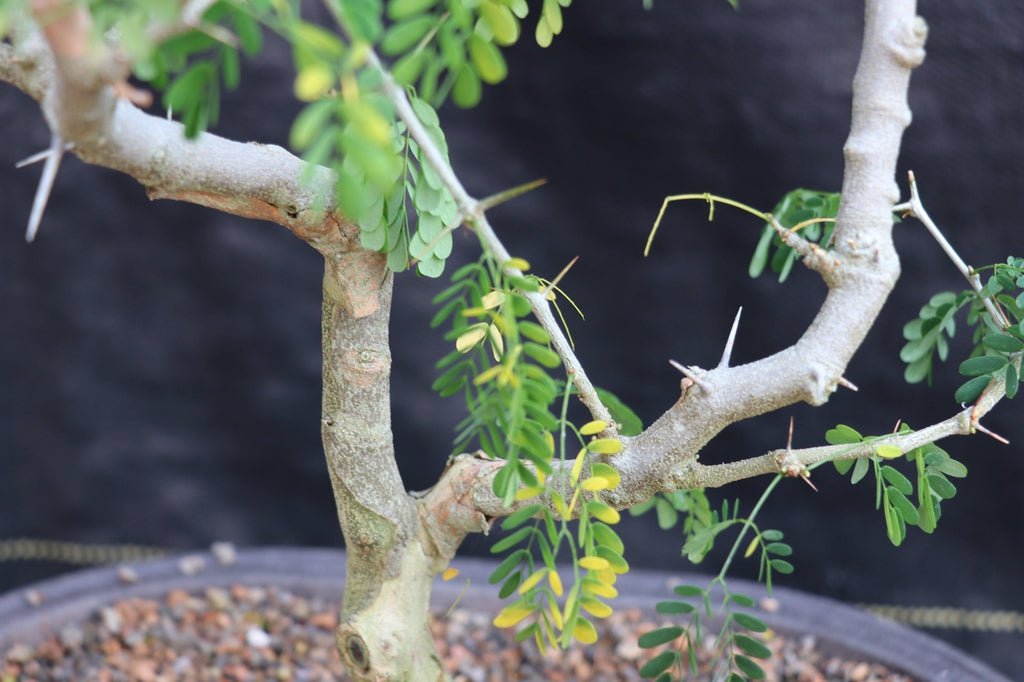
point(249, 634)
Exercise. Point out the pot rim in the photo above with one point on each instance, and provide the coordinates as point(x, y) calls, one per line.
point(840, 629)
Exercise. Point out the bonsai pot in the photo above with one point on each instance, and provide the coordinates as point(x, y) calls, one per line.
point(30, 614)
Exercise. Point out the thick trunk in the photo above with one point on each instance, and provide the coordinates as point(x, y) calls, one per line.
point(383, 634)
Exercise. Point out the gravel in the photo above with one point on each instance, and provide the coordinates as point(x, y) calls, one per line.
point(250, 634)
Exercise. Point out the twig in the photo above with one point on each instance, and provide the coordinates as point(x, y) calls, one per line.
point(472, 211)
point(727, 352)
point(916, 209)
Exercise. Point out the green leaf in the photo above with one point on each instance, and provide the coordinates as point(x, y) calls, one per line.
point(544, 356)
point(658, 664)
point(985, 364)
point(778, 549)
point(953, 468)
point(917, 371)
point(781, 566)
point(941, 486)
point(752, 646)
point(629, 423)
point(760, 258)
point(403, 9)
point(487, 60)
point(842, 435)
point(673, 608)
point(970, 391)
point(402, 36)
point(654, 638)
point(750, 622)
point(511, 540)
point(507, 564)
point(1003, 343)
point(897, 479)
point(749, 667)
point(860, 470)
point(688, 591)
point(771, 535)
point(667, 515)
point(521, 516)
point(903, 506)
point(1012, 381)
point(926, 520)
point(501, 22)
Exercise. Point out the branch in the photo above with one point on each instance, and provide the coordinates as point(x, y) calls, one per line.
point(252, 180)
point(472, 212)
point(915, 207)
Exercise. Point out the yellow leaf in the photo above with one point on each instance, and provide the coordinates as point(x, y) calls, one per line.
point(556, 583)
point(493, 299)
point(596, 608)
point(471, 337)
point(549, 441)
point(593, 428)
point(577, 467)
point(556, 614)
point(608, 577)
point(518, 264)
point(888, 451)
point(570, 603)
point(607, 472)
point(559, 504)
point(752, 546)
point(595, 483)
point(532, 581)
point(594, 563)
point(497, 343)
point(572, 503)
point(605, 446)
point(527, 493)
point(313, 82)
point(584, 631)
point(594, 587)
point(604, 513)
point(449, 573)
point(486, 375)
point(474, 312)
point(512, 615)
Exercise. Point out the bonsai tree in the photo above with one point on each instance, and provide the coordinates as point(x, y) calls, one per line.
point(374, 193)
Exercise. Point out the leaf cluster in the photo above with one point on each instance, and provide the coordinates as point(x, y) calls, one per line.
point(894, 490)
point(736, 640)
point(795, 210)
point(996, 352)
point(557, 616)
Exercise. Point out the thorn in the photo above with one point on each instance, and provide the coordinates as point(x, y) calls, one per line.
point(846, 383)
point(991, 434)
point(806, 476)
point(896, 428)
point(490, 202)
point(56, 152)
point(789, 440)
point(727, 352)
point(40, 156)
point(558, 278)
point(691, 375)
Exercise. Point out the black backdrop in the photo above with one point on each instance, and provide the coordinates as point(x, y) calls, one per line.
point(160, 362)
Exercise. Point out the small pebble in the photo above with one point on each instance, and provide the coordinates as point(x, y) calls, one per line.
point(34, 597)
point(127, 575)
point(191, 564)
point(257, 638)
point(224, 553)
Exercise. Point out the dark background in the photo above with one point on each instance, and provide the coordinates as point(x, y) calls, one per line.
point(159, 363)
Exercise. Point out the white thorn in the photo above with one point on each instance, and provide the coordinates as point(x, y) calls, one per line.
point(40, 156)
point(56, 152)
point(727, 352)
point(691, 375)
point(846, 383)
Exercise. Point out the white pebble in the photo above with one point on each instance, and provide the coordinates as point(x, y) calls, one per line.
point(257, 638)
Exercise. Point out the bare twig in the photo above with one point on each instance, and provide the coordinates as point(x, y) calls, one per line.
point(916, 209)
